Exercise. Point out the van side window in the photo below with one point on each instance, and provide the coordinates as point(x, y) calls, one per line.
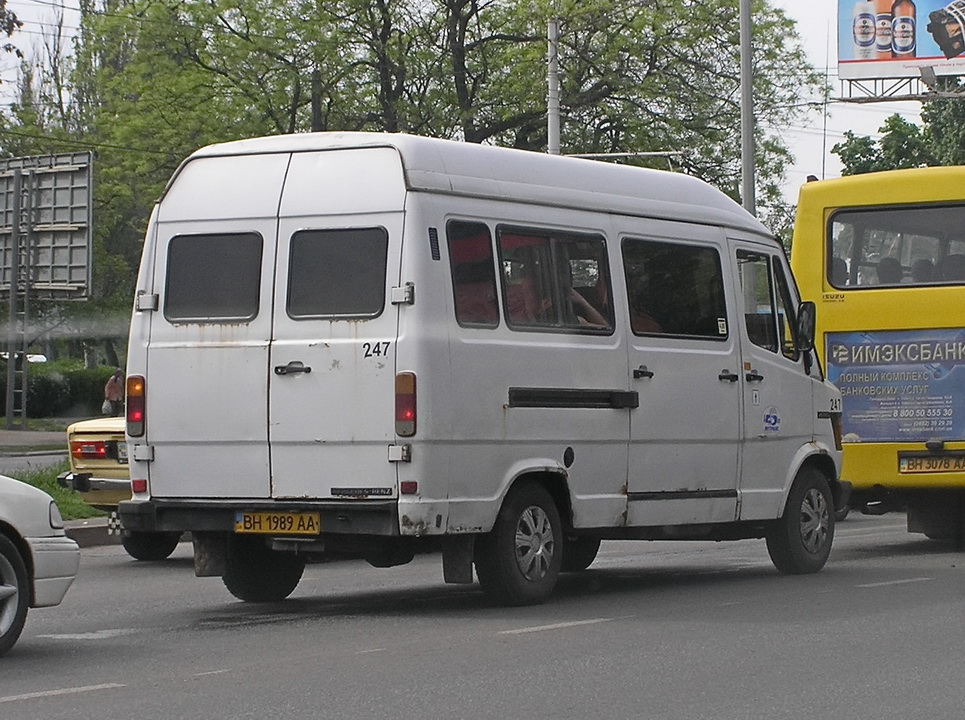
point(473, 274)
point(554, 282)
point(213, 278)
point(769, 314)
point(337, 273)
point(674, 289)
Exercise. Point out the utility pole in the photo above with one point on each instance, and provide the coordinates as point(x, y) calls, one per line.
point(747, 110)
point(553, 88)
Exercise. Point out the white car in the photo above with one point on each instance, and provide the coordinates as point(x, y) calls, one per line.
point(38, 561)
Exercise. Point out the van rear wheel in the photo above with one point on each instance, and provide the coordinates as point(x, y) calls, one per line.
point(518, 563)
point(800, 541)
point(579, 553)
point(257, 574)
point(150, 546)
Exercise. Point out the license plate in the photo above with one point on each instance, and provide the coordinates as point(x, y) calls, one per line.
point(932, 463)
point(122, 452)
point(278, 523)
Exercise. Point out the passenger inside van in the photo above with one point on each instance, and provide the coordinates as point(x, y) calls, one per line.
point(641, 321)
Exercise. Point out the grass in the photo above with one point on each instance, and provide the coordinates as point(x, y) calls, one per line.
point(71, 506)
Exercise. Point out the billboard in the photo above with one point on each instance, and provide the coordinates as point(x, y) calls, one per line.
point(900, 386)
point(895, 38)
point(54, 208)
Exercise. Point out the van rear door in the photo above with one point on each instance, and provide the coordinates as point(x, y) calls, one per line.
point(332, 360)
point(208, 348)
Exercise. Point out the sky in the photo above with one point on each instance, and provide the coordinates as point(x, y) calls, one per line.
point(810, 141)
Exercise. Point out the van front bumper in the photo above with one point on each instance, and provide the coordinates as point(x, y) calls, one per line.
point(354, 517)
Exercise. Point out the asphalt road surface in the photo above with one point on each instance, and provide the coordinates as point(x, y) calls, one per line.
point(653, 630)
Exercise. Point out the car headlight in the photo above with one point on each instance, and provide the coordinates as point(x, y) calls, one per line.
point(56, 521)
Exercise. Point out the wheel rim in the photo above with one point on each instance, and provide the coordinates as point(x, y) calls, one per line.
point(535, 544)
point(9, 595)
point(815, 521)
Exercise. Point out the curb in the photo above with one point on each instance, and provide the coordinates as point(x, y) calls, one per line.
point(91, 532)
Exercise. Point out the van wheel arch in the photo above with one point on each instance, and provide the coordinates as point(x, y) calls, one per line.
point(509, 576)
point(840, 491)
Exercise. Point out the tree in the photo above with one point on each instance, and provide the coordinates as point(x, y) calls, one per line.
point(939, 141)
point(148, 82)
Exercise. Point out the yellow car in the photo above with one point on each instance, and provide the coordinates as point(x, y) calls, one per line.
point(99, 472)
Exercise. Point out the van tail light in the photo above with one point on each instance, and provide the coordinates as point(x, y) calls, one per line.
point(88, 449)
point(405, 415)
point(135, 405)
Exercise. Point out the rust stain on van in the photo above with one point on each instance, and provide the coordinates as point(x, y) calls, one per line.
point(416, 527)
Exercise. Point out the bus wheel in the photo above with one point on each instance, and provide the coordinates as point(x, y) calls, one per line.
point(579, 553)
point(800, 540)
point(518, 563)
point(150, 546)
point(256, 574)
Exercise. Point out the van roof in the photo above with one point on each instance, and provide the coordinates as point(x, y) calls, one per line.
point(484, 171)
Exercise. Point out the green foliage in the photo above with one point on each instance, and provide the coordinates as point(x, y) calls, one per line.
point(939, 141)
point(69, 502)
point(147, 83)
point(61, 389)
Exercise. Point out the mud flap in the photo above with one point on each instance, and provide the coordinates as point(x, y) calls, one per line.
point(457, 559)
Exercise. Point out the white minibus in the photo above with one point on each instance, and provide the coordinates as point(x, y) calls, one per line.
point(377, 345)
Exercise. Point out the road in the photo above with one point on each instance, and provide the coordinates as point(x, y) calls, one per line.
point(12, 465)
point(653, 630)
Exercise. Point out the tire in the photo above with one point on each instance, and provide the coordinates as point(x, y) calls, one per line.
point(841, 514)
point(256, 574)
point(518, 562)
point(150, 546)
point(800, 541)
point(14, 594)
point(579, 553)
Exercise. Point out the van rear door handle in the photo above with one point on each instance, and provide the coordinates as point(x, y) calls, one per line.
point(291, 368)
point(642, 372)
point(728, 376)
point(753, 376)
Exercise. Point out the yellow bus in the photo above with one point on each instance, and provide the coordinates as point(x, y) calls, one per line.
point(883, 256)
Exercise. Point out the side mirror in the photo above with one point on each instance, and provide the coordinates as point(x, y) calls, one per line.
point(806, 314)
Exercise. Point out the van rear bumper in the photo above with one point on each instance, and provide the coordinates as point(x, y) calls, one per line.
point(376, 517)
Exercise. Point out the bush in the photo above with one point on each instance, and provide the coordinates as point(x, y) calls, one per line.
point(60, 388)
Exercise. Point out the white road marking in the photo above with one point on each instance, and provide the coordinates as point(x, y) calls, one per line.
point(555, 626)
point(895, 582)
point(62, 691)
point(212, 672)
point(373, 650)
point(96, 635)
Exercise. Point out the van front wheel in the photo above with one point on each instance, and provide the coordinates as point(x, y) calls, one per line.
point(518, 563)
point(800, 541)
point(257, 574)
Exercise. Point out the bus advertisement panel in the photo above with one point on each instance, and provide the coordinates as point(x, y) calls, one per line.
point(899, 386)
